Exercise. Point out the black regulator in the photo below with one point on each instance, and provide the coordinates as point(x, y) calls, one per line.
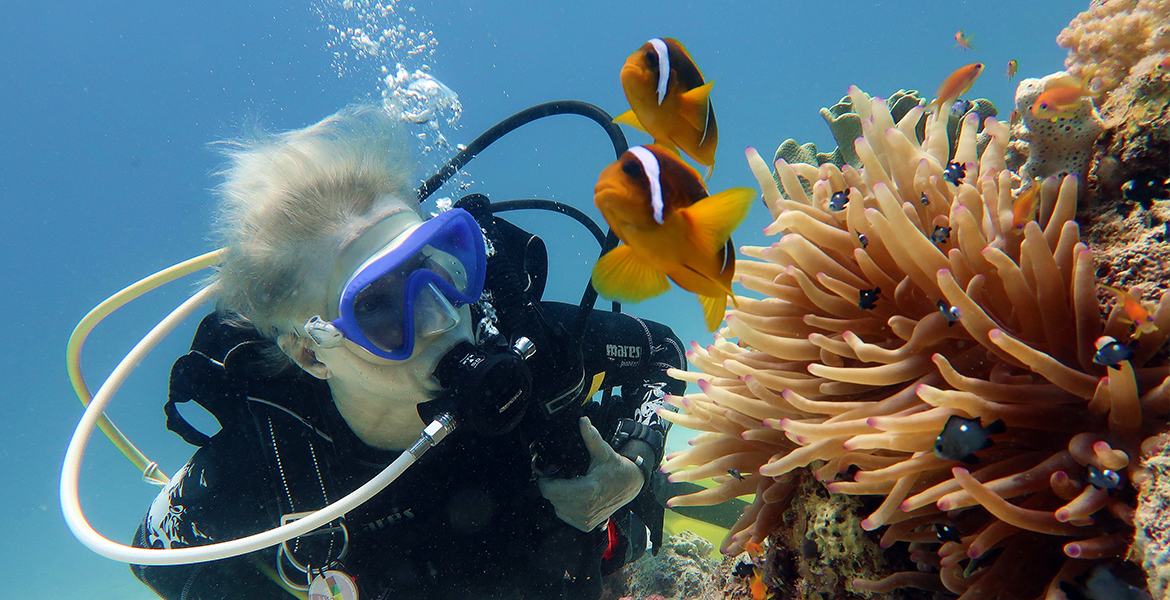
point(522, 371)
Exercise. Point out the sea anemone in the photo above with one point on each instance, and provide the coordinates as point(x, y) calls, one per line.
point(854, 358)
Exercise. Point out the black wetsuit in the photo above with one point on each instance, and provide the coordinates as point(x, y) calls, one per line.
point(466, 521)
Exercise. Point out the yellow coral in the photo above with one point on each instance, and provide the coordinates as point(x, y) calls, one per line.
point(1114, 36)
point(807, 373)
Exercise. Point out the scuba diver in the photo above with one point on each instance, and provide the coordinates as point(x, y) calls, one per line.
point(346, 322)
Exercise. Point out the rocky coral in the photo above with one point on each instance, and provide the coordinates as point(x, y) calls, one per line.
point(1113, 36)
point(1054, 147)
point(855, 355)
point(683, 569)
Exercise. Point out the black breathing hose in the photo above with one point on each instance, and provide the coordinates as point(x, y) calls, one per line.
point(528, 115)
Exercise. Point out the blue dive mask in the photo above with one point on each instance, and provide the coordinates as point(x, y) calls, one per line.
point(411, 286)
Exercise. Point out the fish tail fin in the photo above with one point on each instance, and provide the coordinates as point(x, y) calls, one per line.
point(696, 106)
point(995, 427)
point(714, 218)
point(707, 175)
point(622, 275)
point(629, 118)
point(714, 308)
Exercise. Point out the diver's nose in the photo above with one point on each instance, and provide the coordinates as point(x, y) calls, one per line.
point(433, 313)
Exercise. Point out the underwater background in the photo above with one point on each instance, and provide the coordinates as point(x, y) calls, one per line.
point(105, 168)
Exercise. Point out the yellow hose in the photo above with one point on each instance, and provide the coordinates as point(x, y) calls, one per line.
point(150, 470)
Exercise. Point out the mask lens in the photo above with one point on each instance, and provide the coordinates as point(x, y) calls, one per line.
point(412, 288)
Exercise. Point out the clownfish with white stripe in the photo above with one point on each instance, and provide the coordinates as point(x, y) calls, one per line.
point(669, 100)
point(658, 206)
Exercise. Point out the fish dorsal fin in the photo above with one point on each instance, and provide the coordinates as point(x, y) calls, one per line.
point(624, 276)
point(686, 72)
point(629, 118)
point(714, 218)
point(696, 106)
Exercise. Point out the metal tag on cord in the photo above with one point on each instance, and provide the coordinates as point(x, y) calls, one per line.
point(332, 585)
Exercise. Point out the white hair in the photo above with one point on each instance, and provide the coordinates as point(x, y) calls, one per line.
point(290, 202)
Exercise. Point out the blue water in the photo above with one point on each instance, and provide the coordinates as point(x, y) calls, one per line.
point(107, 109)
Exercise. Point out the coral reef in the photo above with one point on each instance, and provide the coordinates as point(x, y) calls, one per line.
point(845, 124)
point(1132, 241)
point(683, 570)
point(1057, 147)
point(821, 547)
point(855, 355)
point(1113, 36)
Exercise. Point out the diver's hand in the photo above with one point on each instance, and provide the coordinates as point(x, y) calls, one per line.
point(610, 483)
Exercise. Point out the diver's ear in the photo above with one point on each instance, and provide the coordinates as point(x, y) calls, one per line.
point(297, 348)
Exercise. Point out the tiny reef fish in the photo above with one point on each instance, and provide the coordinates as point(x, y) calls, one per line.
point(956, 84)
point(658, 206)
point(963, 40)
point(754, 551)
point(947, 533)
point(1012, 68)
point(838, 201)
point(1025, 206)
point(1103, 479)
point(954, 172)
point(758, 589)
point(669, 100)
point(1063, 97)
point(1111, 352)
point(951, 313)
point(1136, 312)
point(867, 299)
point(736, 474)
point(961, 438)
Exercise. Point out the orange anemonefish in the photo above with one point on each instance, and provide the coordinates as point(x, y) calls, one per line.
point(1135, 311)
point(956, 84)
point(669, 100)
point(658, 206)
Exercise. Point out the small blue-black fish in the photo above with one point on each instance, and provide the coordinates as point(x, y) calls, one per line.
point(1101, 584)
point(839, 200)
point(869, 298)
point(865, 241)
point(1111, 352)
point(1145, 190)
point(925, 200)
point(947, 533)
point(736, 474)
point(961, 438)
point(955, 172)
point(1103, 479)
point(951, 313)
point(940, 235)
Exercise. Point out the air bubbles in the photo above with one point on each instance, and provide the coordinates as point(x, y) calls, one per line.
point(370, 35)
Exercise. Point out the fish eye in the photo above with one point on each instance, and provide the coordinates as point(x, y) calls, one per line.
point(631, 168)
